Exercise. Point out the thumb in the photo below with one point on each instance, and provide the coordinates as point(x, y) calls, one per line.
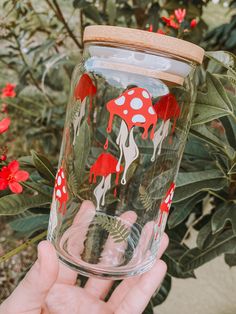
point(30, 294)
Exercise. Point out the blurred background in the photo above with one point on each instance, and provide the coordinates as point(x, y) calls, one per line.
point(40, 43)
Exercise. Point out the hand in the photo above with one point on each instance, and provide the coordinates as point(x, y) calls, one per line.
point(49, 288)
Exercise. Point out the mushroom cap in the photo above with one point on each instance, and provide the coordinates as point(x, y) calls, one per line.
point(167, 107)
point(85, 87)
point(134, 106)
point(105, 165)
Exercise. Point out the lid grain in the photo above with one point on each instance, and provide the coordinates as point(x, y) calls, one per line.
point(144, 40)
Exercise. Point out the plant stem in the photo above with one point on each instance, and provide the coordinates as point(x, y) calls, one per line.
point(23, 246)
point(29, 69)
point(61, 18)
point(26, 63)
point(104, 7)
point(22, 109)
point(81, 27)
point(217, 196)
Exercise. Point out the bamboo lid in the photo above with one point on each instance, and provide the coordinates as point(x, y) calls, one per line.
point(144, 40)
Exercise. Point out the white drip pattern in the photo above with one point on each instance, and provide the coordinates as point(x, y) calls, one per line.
point(101, 189)
point(129, 151)
point(159, 137)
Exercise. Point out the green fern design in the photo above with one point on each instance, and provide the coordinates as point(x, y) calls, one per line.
point(118, 231)
point(73, 183)
point(145, 198)
point(75, 110)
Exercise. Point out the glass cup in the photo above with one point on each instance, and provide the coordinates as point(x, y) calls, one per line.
point(126, 125)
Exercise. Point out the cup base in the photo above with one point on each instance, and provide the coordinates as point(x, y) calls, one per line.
point(125, 251)
point(88, 271)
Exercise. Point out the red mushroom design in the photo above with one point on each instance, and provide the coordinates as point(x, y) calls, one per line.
point(104, 166)
point(166, 108)
point(164, 211)
point(60, 190)
point(135, 108)
point(85, 88)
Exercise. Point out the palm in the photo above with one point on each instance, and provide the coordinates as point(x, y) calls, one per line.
point(131, 296)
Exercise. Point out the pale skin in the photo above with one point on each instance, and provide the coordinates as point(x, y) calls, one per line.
point(49, 288)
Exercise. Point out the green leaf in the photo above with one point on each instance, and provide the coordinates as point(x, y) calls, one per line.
point(149, 309)
point(15, 204)
point(213, 104)
point(194, 258)
point(81, 151)
point(231, 40)
point(226, 213)
point(224, 58)
point(230, 259)
point(43, 166)
point(26, 161)
point(232, 169)
point(195, 148)
point(93, 14)
point(207, 134)
point(190, 183)
point(183, 209)
point(80, 4)
point(31, 94)
point(160, 296)
point(111, 10)
point(172, 258)
point(40, 188)
point(230, 129)
point(205, 237)
point(30, 224)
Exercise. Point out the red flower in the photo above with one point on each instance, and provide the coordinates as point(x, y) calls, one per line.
point(170, 22)
point(3, 157)
point(9, 90)
point(160, 31)
point(150, 29)
point(193, 23)
point(180, 14)
point(4, 125)
point(10, 176)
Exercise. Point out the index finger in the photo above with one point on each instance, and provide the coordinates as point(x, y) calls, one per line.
point(138, 297)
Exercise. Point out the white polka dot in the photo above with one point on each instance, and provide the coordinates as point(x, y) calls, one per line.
point(145, 94)
point(58, 193)
point(62, 174)
point(136, 103)
point(120, 101)
point(125, 111)
point(138, 118)
point(151, 110)
point(59, 180)
point(131, 92)
point(64, 189)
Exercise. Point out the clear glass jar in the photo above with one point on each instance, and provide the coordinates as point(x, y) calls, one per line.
point(126, 125)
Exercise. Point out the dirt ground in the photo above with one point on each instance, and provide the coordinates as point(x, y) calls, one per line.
point(213, 292)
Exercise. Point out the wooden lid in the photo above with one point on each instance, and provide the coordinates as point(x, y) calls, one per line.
point(144, 40)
